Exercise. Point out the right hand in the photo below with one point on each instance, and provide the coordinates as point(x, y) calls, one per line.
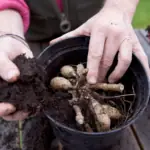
point(9, 49)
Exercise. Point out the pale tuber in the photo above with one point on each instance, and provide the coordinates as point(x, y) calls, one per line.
point(101, 116)
point(60, 83)
point(79, 115)
point(112, 112)
point(108, 87)
point(68, 71)
point(80, 68)
point(104, 121)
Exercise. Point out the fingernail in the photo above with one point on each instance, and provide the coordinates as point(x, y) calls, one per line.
point(92, 80)
point(12, 75)
point(29, 55)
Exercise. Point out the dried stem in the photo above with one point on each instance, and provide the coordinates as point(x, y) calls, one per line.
point(79, 115)
point(108, 87)
point(100, 97)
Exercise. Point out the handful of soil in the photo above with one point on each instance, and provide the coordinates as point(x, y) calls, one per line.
point(29, 93)
point(91, 108)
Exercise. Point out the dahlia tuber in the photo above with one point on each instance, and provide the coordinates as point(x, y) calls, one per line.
point(112, 112)
point(68, 71)
point(60, 83)
point(80, 69)
point(79, 115)
point(108, 87)
point(101, 116)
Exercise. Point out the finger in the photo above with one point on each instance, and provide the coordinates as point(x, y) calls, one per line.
point(95, 53)
point(6, 109)
point(140, 54)
point(16, 116)
point(8, 70)
point(77, 32)
point(111, 48)
point(124, 60)
point(28, 53)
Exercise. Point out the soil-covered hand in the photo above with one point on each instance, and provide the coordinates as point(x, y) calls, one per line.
point(9, 49)
point(110, 32)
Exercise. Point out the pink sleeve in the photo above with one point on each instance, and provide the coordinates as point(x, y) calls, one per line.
point(20, 6)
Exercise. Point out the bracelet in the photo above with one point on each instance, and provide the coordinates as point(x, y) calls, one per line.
point(17, 37)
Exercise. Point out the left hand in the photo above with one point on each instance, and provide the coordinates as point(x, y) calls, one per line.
point(110, 32)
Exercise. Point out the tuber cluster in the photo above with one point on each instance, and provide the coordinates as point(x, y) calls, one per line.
point(73, 80)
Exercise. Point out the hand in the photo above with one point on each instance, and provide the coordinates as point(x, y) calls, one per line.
point(110, 32)
point(9, 49)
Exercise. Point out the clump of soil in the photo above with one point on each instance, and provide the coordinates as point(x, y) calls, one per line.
point(91, 108)
point(29, 93)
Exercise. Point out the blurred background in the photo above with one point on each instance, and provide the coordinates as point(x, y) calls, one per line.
point(142, 15)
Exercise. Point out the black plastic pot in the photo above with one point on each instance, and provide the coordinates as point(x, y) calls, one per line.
point(73, 51)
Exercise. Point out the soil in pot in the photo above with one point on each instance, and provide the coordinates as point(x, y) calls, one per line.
point(90, 108)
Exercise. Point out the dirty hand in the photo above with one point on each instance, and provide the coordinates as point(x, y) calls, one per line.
point(110, 32)
point(10, 49)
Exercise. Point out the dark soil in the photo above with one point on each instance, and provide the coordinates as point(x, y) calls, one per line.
point(29, 92)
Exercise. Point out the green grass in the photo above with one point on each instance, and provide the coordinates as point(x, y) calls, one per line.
point(142, 15)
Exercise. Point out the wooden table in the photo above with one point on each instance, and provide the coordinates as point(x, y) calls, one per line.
point(24, 136)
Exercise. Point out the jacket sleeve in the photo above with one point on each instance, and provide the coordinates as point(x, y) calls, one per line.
point(20, 6)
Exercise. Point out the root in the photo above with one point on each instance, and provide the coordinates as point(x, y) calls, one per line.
point(108, 87)
point(79, 115)
point(88, 128)
point(105, 107)
point(101, 97)
point(100, 116)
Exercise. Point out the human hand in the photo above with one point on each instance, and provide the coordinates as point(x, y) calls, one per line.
point(110, 32)
point(9, 49)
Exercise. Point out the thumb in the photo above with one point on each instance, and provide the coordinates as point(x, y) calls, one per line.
point(8, 70)
point(77, 32)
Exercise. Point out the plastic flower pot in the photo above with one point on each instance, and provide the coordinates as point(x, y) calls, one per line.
point(73, 51)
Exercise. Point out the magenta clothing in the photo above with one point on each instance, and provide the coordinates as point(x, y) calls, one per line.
point(22, 8)
point(59, 2)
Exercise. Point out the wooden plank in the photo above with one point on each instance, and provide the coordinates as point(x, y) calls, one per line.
point(127, 142)
point(142, 128)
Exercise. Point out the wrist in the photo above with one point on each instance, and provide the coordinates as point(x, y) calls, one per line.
point(13, 24)
point(127, 7)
